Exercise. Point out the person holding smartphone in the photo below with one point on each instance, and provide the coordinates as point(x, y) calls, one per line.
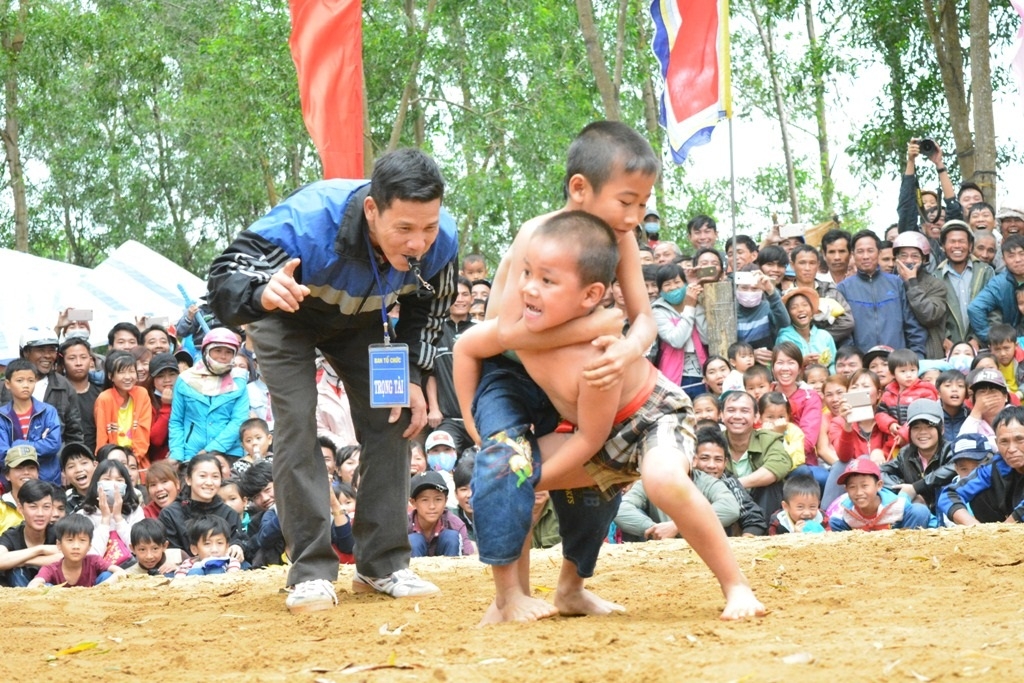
point(761, 315)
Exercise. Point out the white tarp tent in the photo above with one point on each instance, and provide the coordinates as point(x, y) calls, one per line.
point(133, 281)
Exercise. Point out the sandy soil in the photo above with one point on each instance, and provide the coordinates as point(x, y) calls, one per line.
point(914, 606)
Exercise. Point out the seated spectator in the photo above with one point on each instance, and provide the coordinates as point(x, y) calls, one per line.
point(757, 381)
point(997, 300)
point(816, 345)
point(776, 416)
point(952, 390)
point(20, 466)
point(462, 475)
point(922, 467)
point(25, 418)
point(77, 463)
point(855, 438)
point(710, 459)
point(800, 513)
point(705, 407)
point(123, 412)
point(333, 412)
point(347, 460)
point(432, 529)
point(757, 458)
point(715, 371)
point(163, 373)
point(257, 443)
point(993, 492)
point(544, 522)
point(151, 550)
point(760, 312)
point(77, 568)
point(30, 545)
point(208, 541)
point(113, 507)
point(879, 301)
point(906, 388)
point(868, 506)
point(343, 510)
point(988, 397)
point(968, 453)
point(202, 479)
point(804, 402)
point(640, 520)
point(163, 486)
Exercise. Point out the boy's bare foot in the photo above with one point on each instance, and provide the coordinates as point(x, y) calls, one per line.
point(518, 607)
point(741, 603)
point(579, 602)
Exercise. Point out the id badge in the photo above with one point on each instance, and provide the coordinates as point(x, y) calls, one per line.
point(389, 376)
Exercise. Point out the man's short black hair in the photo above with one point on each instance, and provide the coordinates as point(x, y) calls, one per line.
point(709, 250)
point(59, 495)
point(866, 234)
point(698, 222)
point(462, 473)
point(604, 147)
point(34, 490)
point(1010, 243)
point(123, 327)
point(1000, 333)
point(199, 528)
point(834, 235)
point(162, 330)
point(1007, 415)
point(405, 174)
point(800, 485)
point(72, 342)
point(980, 206)
point(772, 254)
point(73, 525)
point(256, 478)
point(712, 435)
point(745, 240)
point(967, 185)
point(464, 281)
point(650, 271)
point(148, 531)
point(849, 351)
point(804, 249)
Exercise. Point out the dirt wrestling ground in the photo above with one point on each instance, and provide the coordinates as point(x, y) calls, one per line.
point(902, 606)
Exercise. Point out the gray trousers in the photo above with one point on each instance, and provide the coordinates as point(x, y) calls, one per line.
point(285, 349)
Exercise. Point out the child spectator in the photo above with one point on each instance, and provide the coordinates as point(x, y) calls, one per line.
point(474, 267)
point(854, 438)
point(113, 507)
point(208, 538)
point(60, 503)
point(833, 391)
point(968, 453)
point(952, 392)
point(231, 493)
point(152, 552)
point(163, 486)
point(922, 467)
point(20, 466)
point(710, 457)
point(877, 361)
point(441, 456)
point(434, 531)
point(163, 373)
point(417, 458)
point(77, 568)
point(868, 506)
point(681, 329)
point(27, 419)
point(994, 492)
point(705, 407)
point(30, 545)
point(988, 393)
point(904, 389)
point(462, 475)
point(741, 357)
point(347, 460)
point(714, 371)
point(257, 442)
point(757, 381)
point(343, 507)
point(123, 411)
point(77, 462)
point(210, 402)
point(815, 375)
point(1002, 342)
point(800, 513)
point(202, 480)
point(777, 417)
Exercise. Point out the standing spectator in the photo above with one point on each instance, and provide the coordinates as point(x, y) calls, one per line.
point(333, 411)
point(163, 372)
point(926, 294)
point(123, 337)
point(702, 231)
point(816, 345)
point(681, 329)
point(124, 414)
point(835, 247)
point(75, 358)
point(965, 277)
point(879, 302)
point(997, 302)
point(443, 410)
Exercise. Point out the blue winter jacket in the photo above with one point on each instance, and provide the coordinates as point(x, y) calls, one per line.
point(998, 297)
point(206, 423)
point(44, 433)
point(883, 315)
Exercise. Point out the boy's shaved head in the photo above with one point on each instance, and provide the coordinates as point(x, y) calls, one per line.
point(606, 146)
point(597, 252)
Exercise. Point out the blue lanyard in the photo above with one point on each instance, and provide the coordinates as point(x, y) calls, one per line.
point(380, 288)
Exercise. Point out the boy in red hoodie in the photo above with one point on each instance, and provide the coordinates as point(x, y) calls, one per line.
point(906, 388)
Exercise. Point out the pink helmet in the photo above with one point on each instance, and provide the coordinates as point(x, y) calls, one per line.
point(221, 336)
point(912, 239)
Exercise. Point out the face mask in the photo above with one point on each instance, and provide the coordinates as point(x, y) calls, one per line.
point(749, 299)
point(441, 461)
point(961, 363)
point(675, 297)
point(216, 367)
point(652, 228)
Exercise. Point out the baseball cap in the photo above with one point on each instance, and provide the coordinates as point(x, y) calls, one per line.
point(183, 356)
point(161, 362)
point(652, 212)
point(439, 438)
point(74, 449)
point(19, 453)
point(37, 335)
point(987, 376)
point(1010, 212)
point(971, 447)
point(925, 410)
point(427, 480)
point(862, 465)
point(875, 352)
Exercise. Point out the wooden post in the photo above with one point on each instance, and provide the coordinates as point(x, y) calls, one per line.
point(720, 312)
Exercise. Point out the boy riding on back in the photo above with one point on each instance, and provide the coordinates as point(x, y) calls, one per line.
point(641, 426)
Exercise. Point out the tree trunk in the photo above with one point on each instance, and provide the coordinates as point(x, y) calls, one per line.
point(981, 99)
point(595, 55)
point(13, 40)
point(768, 44)
point(818, 89)
point(409, 90)
point(945, 33)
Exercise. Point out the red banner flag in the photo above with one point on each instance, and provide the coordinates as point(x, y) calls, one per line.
point(327, 48)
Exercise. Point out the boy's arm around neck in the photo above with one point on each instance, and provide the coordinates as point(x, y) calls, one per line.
point(475, 344)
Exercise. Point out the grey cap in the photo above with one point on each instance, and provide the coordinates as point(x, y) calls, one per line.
point(925, 409)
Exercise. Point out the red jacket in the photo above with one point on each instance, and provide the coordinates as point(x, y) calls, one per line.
point(851, 444)
point(895, 402)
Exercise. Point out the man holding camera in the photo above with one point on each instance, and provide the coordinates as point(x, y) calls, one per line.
point(908, 208)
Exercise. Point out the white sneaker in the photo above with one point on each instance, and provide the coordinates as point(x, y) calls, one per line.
point(402, 584)
point(311, 596)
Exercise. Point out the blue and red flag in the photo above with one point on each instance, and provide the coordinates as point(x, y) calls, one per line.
point(327, 48)
point(691, 42)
